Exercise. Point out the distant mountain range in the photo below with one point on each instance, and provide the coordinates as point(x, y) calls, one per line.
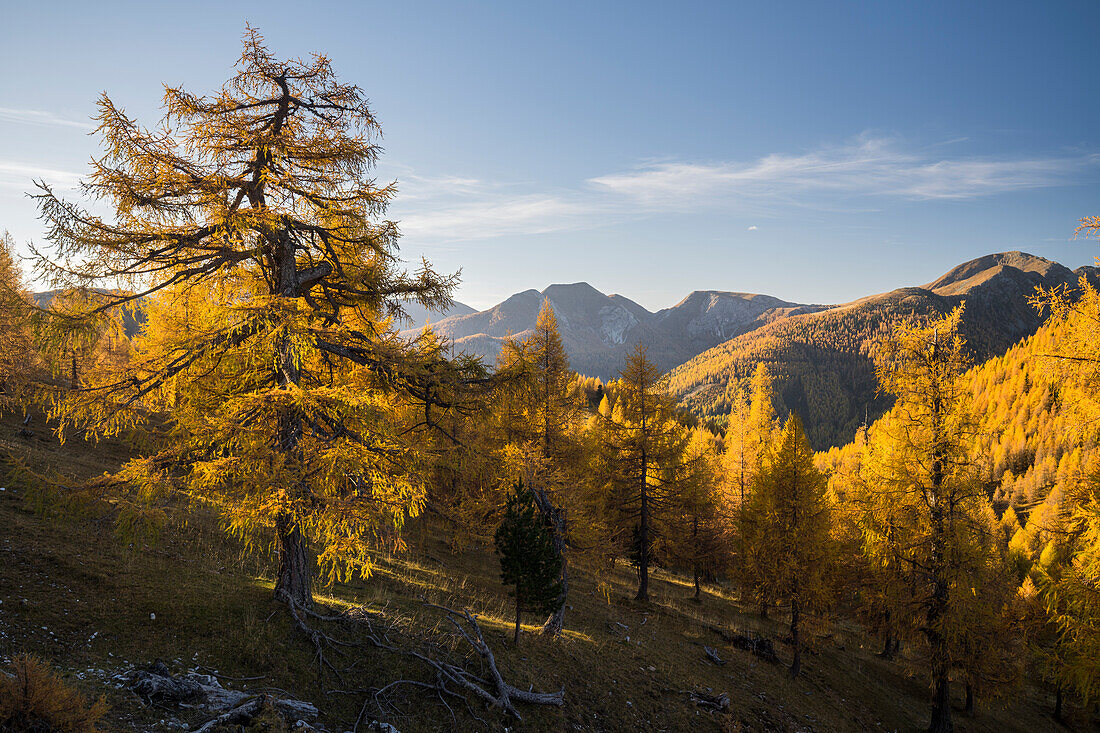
point(598, 330)
point(712, 340)
point(822, 354)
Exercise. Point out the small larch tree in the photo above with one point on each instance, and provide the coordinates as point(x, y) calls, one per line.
point(639, 462)
point(247, 226)
point(550, 410)
point(752, 423)
point(787, 530)
point(529, 560)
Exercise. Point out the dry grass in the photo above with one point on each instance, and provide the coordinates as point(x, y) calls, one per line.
point(71, 594)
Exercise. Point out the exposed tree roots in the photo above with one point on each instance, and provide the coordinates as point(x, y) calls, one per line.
point(453, 679)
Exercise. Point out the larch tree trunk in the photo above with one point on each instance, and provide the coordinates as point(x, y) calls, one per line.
point(796, 663)
point(695, 561)
point(643, 549)
point(519, 610)
point(292, 584)
point(293, 581)
point(643, 529)
point(937, 606)
point(941, 707)
point(888, 644)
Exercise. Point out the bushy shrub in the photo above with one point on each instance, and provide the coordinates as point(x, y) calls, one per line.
point(35, 700)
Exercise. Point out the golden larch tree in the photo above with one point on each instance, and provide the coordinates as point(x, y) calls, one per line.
point(247, 226)
point(925, 508)
point(639, 466)
point(786, 524)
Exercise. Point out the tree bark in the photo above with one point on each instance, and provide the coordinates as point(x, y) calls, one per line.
point(888, 644)
point(969, 707)
point(643, 556)
point(643, 538)
point(695, 562)
point(519, 607)
point(941, 706)
point(292, 583)
point(796, 663)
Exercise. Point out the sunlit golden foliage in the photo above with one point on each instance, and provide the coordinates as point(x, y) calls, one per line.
point(267, 379)
point(18, 357)
point(785, 524)
point(921, 508)
point(640, 466)
point(1068, 567)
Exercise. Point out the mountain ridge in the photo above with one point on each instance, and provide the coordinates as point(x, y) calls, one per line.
point(824, 361)
point(598, 329)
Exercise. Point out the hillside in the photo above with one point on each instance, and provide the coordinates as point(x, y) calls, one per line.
point(599, 330)
point(73, 595)
point(1030, 439)
point(824, 360)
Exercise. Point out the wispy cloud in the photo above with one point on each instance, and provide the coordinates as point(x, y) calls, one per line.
point(21, 176)
point(41, 117)
point(500, 215)
point(866, 167)
point(863, 174)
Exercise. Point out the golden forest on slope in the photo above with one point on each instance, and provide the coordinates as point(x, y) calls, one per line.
point(267, 428)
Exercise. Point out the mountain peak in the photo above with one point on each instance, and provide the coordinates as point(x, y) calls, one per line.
point(969, 275)
point(578, 287)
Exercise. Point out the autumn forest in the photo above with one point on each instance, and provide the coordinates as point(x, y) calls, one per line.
point(233, 459)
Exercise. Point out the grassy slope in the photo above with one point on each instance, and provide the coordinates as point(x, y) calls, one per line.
point(213, 608)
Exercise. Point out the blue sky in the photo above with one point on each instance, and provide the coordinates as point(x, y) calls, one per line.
point(814, 151)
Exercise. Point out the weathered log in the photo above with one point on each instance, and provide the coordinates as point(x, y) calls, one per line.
point(712, 655)
point(156, 683)
point(719, 702)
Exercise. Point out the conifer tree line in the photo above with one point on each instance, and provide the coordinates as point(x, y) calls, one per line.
point(236, 322)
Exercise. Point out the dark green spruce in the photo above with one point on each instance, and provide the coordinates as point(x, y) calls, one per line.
point(528, 560)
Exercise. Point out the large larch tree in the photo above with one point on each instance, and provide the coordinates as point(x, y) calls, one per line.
point(925, 508)
point(247, 226)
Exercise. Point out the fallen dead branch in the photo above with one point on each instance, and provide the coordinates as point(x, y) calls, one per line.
point(719, 702)
point(453, 679)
